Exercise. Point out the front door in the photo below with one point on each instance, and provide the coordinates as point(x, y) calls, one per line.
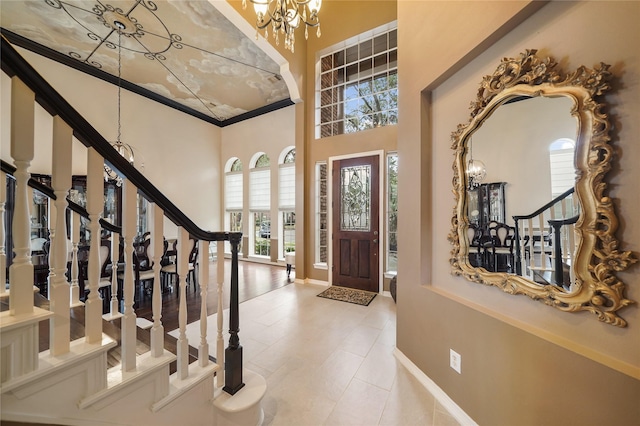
point(355, 223)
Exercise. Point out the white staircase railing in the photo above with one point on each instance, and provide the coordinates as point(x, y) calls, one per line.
point(542, 251)
point(25, 371)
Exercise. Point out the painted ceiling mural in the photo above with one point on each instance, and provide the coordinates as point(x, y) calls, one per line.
point(184, 51)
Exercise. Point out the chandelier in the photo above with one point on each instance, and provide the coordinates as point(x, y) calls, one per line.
point(285, 16)
point(476, 170)
point(117, 22)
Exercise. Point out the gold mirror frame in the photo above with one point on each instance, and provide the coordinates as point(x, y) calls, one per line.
point(597, 258)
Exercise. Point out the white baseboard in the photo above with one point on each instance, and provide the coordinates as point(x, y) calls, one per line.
point(317, 282)
point(444, 399)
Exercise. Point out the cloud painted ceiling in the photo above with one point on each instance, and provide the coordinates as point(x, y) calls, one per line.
point(186, 52)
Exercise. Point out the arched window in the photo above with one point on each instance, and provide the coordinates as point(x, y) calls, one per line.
point(233, 197)
point(561, 162)
point(260, 205)
point(287, 202)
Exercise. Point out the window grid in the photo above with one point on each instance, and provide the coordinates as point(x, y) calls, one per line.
point(262, 234)
point(392, 212)
point(288, 232)
point(321, 213)
point(358, 86)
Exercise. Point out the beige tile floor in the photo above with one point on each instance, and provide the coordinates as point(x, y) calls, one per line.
point(327, 362)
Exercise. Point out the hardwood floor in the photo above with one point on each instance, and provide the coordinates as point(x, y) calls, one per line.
point(254, 279)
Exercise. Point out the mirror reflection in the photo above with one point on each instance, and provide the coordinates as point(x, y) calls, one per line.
point(520, 174)
point(537, 140)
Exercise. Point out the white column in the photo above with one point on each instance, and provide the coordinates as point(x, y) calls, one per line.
point(59, 296)
point(203, 279)
point(128, 324)
point(182, 266)
point(22, 142)
point(220, 339)
point(75, 268)
point(156, 249)
point(95, 207)
point(3, 249)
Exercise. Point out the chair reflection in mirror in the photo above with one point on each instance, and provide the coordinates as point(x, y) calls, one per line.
point(499, 248)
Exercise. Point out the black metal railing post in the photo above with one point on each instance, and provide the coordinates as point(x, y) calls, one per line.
point(518, 250)
point(233, 354)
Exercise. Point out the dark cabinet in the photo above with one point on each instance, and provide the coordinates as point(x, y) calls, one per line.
point(486, 203)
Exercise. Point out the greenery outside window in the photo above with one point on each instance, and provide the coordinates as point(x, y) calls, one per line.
point(358, 84)
point(392, 212)
point(262, 234)
point(260, 205)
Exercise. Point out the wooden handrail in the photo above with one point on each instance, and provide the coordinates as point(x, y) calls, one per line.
point(546, 206)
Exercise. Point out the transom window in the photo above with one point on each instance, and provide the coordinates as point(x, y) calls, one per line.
point(358, 84)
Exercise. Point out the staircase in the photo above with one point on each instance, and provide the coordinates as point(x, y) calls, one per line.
point(546, 242)
point(101, 372)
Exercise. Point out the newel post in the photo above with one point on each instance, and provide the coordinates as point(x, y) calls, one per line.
point(233, 353)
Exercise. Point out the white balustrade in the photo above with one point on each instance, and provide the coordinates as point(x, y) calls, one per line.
point(75, 267)
point(22, 143)
point(59, 292)
point(203, 279)
point(182, 263)
point(95, 206)
point(155, 251)
point(3, 251)
point(220, 338)
point(128, 322)
point(114, 305)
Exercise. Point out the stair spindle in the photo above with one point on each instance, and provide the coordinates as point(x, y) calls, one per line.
point(95, 207)
point(59, 290)
point(203, 279)
point(182, 263)
point(75, 269)
point(156, 248)
point(22, 142)
point(128, 322)
point(220, 339)
point(3, 251)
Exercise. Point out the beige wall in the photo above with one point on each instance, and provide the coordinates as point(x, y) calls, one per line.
point(522, 362)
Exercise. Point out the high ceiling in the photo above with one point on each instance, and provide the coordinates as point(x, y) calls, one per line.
point(182, 53)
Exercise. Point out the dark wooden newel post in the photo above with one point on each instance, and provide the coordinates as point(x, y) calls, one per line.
point(233, 353)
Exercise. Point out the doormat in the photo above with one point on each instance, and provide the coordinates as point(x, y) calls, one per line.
point(350, 295)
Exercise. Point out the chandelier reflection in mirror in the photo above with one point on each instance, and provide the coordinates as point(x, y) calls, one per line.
point(476, 170)
point(285, 16)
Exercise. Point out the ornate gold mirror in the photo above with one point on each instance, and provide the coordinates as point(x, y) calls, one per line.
point(531, 214)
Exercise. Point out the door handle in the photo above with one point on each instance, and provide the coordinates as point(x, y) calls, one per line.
point(375, 241)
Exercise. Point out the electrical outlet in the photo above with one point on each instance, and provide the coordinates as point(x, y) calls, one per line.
point(455, 361)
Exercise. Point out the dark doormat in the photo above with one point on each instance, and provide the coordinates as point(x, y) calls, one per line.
point(350, 295)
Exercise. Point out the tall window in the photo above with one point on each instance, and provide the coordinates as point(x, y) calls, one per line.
point(260, 204)
point(321, 213)
point(233, 195)
point(563, 174)
point(358, 84)
point(392, 212)
point(287, 203)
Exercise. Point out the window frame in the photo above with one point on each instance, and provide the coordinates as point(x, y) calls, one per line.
point(343, 73)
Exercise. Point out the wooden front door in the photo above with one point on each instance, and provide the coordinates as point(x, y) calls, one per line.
point(355, 223)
